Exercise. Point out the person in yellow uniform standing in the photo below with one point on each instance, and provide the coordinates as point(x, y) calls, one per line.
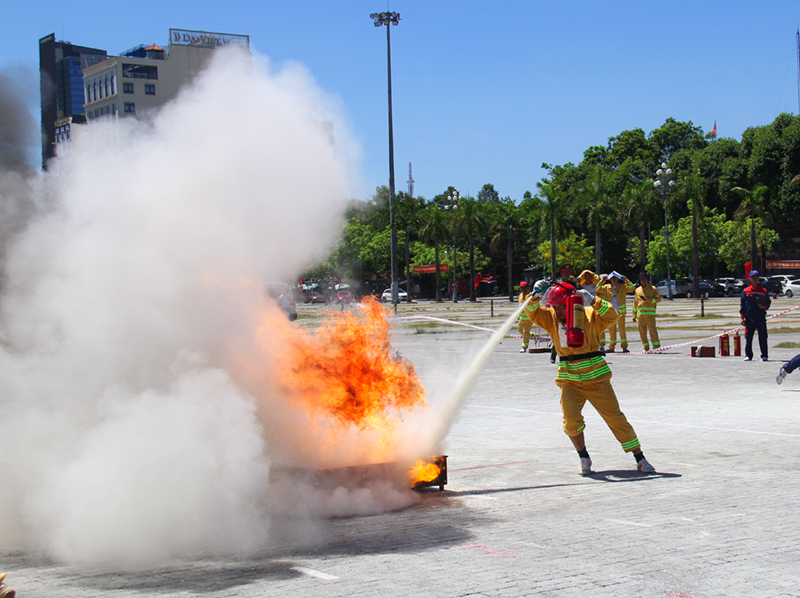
point(644, 310)
point(524, 322)
point(583, 374)
point(614, 290)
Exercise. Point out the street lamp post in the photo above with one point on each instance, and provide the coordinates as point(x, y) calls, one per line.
point(452, 205)
point(664, 185)
point(390, 18)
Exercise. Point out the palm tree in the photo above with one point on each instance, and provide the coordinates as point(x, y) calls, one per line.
point(593, 194)
point(641, 205)
point(691, 187)
point(434, 228)
point(753, 205)
point(551, 216)
point(472, 220)
point(408, 216)
point(506, 227)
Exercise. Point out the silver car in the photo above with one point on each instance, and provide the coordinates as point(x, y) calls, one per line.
point(680, 287)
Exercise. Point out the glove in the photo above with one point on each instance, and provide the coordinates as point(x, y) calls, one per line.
point(586, 296)
point(540, 287)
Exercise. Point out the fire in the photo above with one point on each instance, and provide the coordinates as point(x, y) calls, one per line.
point(422, 471)
point(346, 371)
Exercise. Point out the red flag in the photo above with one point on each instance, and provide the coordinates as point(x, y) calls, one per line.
point(714, 131)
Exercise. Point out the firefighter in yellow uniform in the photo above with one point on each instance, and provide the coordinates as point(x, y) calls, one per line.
point(524, 322)
point(644, 310)
point(589, 281)
point(583, 374)
point(614, 290)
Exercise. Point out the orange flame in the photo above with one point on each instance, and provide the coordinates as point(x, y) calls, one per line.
point(422, 471)
point(346, 372)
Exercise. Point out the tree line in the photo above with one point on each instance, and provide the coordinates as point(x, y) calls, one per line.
point(731, 202)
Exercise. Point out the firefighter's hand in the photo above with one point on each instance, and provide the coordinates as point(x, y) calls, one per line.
point(540, 287)
point(586, 296)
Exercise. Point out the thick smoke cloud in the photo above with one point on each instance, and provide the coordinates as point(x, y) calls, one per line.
point(130, 389)
point(18, 186)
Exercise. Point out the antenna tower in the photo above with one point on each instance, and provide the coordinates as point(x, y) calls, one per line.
point(410, 182)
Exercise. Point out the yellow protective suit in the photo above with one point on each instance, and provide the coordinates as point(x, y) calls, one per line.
point(607, 292)
point(524, 323)
point(644, 312)
point(587, 378)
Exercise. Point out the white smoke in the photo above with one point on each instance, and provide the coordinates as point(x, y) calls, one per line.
point(130, 425)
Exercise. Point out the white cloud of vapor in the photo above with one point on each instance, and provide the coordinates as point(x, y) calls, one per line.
point(128, 350)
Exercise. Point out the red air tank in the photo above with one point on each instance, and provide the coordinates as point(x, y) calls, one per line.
point(575, 317)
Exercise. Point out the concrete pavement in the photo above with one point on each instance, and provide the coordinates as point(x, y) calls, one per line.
point(721, 518)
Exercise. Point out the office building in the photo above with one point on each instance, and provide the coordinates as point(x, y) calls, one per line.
point(61, 67)
point(146, 77)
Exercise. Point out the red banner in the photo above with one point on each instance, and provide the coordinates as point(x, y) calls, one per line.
point(778, 264)
point(430, 269)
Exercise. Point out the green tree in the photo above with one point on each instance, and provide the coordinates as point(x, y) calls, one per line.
point(434, 229)
point(753, 206)
point(595, 199)
point(408, 216)
point(570, 250)
point(505, 229)
point(551, 215)
point(641, 207)
point(473, 221)
point(691, 189)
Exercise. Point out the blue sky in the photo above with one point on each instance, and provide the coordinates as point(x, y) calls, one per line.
point(483, 92)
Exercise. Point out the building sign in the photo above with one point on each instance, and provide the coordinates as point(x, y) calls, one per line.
point(778, 264)
point(205, 39)
point(430, 269)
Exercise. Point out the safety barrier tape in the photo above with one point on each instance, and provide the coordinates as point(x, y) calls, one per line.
point(541, 339)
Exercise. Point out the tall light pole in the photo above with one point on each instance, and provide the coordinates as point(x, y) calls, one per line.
point(452, 205)
point(390, 18)
point(664, 185)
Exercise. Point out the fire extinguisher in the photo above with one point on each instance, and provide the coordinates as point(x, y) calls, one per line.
point(575, 316)
point(737, 344)
point(724, 346)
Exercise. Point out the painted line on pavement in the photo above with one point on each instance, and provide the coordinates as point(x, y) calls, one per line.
point(314, 573)
point(536, 338)
point(494, 465)
point(488, 550)
point(623, 522)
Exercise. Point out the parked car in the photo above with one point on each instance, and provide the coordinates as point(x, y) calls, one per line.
point(707, 289)
point(733, 286)
point(783, 279)
point(313, 297)
point(792, 288)
point(680, 287)
point(386, 296)
point(774, 286)
point(344, 296)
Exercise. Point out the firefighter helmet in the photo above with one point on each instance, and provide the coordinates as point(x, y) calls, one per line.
point(559, 292)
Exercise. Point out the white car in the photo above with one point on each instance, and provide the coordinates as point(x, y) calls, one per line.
point(784, 279)
point(792, 288)
point(387, 295)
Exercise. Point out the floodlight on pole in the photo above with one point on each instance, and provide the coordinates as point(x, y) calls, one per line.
point(390, 18)
point(452, 205)
point(664, 186)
